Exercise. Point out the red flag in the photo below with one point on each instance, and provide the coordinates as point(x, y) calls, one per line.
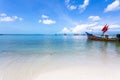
point(105, 28)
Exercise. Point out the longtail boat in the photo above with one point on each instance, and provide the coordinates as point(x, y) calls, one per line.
point(103, 37)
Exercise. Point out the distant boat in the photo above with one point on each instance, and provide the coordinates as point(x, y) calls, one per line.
point(76, 34)
point(65, 34)
point(1, 34)
point(103, 37)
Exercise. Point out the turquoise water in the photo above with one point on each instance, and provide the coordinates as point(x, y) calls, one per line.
point(40, 44)
point(24, 57)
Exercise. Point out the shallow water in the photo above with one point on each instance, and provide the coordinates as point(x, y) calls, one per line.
point(35, 57)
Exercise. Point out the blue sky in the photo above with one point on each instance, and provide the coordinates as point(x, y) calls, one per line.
point(58, 16)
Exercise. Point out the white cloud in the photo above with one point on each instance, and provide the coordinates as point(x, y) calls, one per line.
point(65, 30)
point(5, 18)
point(113, 6)
point(94, 18)
point(39, 21)
point(49, 21)
point(15, 17)
point(114, 26)
point(82, 28)
point(44, 16)
point(3, 14)
point(84, 5)
point(67, 1)
point(20, 19)
point(45, 20)
point(94, 27)
point(71, 6)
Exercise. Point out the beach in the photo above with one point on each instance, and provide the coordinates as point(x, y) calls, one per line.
point(50, 57)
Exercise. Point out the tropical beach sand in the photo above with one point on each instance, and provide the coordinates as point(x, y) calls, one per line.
point(82, 73)
point(52, 67)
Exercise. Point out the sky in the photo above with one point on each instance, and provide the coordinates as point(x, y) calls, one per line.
point(58, 16)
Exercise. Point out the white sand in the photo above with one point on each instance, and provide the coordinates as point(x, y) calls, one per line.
point(63, 68)
point(83, 73)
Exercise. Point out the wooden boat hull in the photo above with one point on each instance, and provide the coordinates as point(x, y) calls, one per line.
point(102, 39)
point(96, 38)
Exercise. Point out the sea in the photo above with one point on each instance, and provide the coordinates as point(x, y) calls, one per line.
point(57, 57)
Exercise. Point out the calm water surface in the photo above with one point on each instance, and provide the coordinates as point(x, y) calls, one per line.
point(25, 57)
